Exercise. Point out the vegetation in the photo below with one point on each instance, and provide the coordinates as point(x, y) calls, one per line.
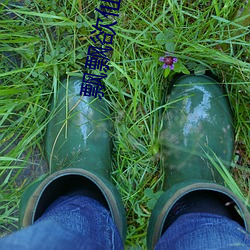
point(45, 41)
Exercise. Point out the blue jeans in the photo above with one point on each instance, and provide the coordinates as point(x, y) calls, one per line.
point(204, 231)
point(80, 222)
point(70, 223)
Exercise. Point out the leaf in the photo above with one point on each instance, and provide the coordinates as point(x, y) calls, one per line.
point(151, 203)
point(179, 67)
point(41, 77)
point(166, 72)
point(158, 194)
point(200, 70)
point(34, 74)
point(47, 58)
point(185, 70)
point(161, 38)
point(148, 192)
point(166, 38)
point(79, 25)
point(169, 33)
point(192, 65)
point(169, 46)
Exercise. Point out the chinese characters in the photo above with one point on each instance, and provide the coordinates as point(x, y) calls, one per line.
point(97, 58)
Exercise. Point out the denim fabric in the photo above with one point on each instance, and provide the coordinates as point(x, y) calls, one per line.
point(76, 222)
point(80, 222)
point(204, 231)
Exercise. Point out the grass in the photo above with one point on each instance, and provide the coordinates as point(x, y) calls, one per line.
point(45, 41)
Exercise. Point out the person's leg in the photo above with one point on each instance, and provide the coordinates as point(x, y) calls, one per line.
point(78, 149)
point(197, 137)
point(71, 222)
point(204, 231)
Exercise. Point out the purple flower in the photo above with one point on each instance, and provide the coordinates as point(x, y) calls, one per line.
point(168, 61)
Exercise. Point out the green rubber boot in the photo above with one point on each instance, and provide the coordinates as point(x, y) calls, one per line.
point(197, 123)
point(78, 149)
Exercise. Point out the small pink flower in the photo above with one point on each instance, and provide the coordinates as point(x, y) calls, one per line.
point(168, 61)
